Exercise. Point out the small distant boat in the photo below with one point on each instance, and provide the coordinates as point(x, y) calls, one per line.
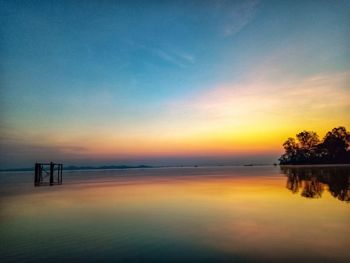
point(248, 165)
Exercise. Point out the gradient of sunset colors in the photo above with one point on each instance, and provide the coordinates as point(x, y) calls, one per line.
point(174, 82)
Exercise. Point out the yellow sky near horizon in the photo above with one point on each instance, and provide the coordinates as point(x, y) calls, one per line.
point(252, 117)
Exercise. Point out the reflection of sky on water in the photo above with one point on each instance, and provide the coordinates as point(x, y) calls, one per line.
point(224, 214)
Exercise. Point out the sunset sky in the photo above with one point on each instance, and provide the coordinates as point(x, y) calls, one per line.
point(169, 82)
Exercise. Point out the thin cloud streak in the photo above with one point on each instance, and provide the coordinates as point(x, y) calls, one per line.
point(238, 17)
point(266, 111)
point(170, 55)
point(317, 93)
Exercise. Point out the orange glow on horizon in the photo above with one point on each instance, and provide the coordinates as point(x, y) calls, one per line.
point(252, 118)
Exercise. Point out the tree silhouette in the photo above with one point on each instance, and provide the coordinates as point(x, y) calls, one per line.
point(291, 148)
point(309, 150)
point(307, 139)
point(335, 145)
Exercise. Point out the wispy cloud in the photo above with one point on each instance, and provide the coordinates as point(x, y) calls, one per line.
point(19, 150)
point(171, 55)
point(175, 57)
point(237, 16)
point(315, 102)
point(185, 56)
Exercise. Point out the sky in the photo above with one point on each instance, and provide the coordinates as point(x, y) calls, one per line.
point(169, 82)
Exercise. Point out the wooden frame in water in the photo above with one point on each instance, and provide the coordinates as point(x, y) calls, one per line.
point(48, 174)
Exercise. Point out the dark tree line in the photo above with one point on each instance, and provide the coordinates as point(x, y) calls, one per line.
point(308, 149)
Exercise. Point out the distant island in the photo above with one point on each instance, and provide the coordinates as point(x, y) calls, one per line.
point(74, 168)
point(308, 149)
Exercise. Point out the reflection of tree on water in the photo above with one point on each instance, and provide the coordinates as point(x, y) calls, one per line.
point(312, 188)
point(311, 181)
point(293, 183)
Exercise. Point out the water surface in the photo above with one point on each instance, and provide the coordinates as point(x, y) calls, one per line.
point(221, 214)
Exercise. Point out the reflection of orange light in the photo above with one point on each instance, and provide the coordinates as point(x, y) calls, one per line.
point(238, 213)
point(251, 193)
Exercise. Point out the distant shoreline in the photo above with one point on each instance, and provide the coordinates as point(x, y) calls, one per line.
point(76, 168)
point(126, 167)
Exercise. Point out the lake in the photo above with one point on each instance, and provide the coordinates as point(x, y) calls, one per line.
point(203, 214)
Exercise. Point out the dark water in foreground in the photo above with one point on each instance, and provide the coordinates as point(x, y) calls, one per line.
point(227, 214)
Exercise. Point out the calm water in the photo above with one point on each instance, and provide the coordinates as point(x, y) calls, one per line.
point(227, 214)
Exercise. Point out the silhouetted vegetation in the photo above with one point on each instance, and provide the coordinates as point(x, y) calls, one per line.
point(311, 181)
point(308, 149)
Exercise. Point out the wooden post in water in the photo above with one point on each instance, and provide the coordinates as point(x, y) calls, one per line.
point(60, 173)
point(40, 173)
point(36, 178)
point(51, 172)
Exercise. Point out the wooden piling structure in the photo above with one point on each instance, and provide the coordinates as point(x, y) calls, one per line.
point(48, 173)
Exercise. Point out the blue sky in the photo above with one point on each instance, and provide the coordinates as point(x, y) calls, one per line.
point(73, 72)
